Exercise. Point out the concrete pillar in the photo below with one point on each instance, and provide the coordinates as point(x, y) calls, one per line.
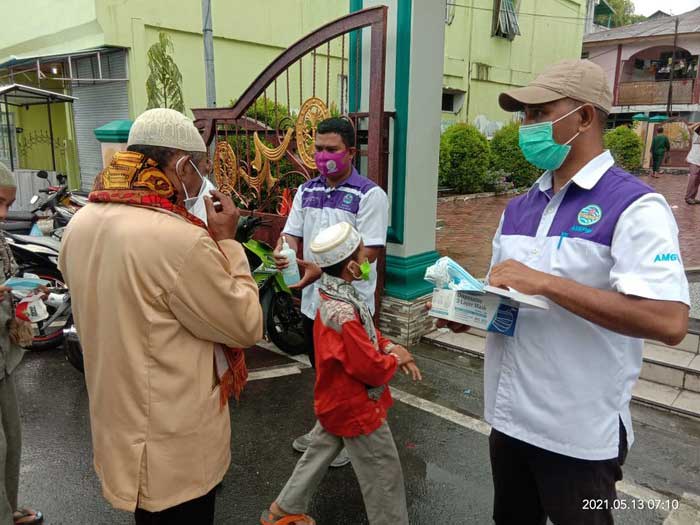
point(415, 51)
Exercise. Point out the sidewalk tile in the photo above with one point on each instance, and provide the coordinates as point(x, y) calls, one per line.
point(664, 354)
point(662, 374)
point(655, 393)
point(695, 363)
point(689, 401)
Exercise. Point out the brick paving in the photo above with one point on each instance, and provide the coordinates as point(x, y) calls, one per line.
point(467, 227)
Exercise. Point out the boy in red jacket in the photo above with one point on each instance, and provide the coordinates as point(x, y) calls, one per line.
point(354, 363)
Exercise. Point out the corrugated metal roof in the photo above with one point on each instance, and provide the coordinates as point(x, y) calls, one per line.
point(19, 95)
point(688, 23)
point(14, 61)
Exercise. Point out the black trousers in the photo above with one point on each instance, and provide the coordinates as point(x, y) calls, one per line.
point(198, 511)
point(309, 337)
point(532, 484)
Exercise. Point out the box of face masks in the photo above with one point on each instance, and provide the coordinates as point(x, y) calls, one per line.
point(461, 298)
point(494, 309)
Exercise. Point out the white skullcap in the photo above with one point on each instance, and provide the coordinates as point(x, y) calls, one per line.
point(166, 128)
point(7, 179)
point(335, 244)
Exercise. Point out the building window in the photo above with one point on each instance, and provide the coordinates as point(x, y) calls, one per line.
point(448, 102)
point(449, 12)
point(505, 19)
point(452, 100)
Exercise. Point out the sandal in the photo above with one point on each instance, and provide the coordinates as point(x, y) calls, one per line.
point(268, 518)
point(27, 516)
point(692, 201)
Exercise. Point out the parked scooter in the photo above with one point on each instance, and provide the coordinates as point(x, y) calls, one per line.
point(39, 256)
point(281, 309)
point(59, 205)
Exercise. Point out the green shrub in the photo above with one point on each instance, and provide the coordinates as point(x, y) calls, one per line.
point(626, 147)
point(507, 157)
point(265, 112)
point(464, 158)
point(498, 181)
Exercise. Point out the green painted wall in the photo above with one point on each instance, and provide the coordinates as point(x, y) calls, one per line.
point(33, 148)
point(44, 27)
point(247, 37)
point(555, 32)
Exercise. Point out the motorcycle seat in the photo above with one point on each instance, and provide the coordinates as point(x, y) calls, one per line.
point(16, 226)
point(14, 216)
point(47, 242)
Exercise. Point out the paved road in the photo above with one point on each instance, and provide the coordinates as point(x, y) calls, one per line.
point(443, 449)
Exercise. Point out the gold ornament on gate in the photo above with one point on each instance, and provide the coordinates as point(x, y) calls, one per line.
point(311, 113)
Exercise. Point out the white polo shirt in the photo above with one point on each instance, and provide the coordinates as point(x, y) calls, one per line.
point(317, 206)
point(562, 383)
point(694, 154)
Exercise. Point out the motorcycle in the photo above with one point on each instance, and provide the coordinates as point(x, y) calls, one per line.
point(57, 208)
point(281, 309)
point(39, 256)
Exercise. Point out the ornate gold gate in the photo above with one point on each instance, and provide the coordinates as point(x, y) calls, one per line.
point(264, 144)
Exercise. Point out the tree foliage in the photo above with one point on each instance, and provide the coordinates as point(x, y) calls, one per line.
point(507, 157)
point(624, 14)
point(464, 159)
point(164, 83)
point(626, 147)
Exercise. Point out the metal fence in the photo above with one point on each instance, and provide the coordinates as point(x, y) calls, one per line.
point(636, 93)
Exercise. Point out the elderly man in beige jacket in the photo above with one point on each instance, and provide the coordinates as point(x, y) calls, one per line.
point(162, 306)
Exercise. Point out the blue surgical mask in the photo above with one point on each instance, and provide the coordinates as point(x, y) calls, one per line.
point(539, 147)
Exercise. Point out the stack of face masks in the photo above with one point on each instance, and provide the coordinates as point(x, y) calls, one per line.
point(447, 274)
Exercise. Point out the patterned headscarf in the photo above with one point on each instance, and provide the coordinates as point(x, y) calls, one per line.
point(133, 179)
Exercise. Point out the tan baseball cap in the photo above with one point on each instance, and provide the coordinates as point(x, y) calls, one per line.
point(581, 80)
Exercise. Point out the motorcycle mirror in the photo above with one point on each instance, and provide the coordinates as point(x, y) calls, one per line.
point(34, 199)
point(42, 174)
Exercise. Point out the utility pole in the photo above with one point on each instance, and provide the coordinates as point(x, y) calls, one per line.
point(669, 105)
point(208, 53)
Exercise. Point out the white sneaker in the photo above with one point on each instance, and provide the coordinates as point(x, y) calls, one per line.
point(301, 443)
point(341, 459)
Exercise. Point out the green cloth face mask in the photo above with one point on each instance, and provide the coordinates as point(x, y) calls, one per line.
point(539, 147)
point(365, 269)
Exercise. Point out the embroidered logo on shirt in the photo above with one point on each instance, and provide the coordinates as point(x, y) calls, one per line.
point(347, 199)
point(667, 257)
point(589, 215)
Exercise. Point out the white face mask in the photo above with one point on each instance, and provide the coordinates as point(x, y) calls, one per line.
point(191, 201)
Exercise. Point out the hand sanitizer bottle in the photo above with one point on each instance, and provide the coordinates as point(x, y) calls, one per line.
point(291, 273)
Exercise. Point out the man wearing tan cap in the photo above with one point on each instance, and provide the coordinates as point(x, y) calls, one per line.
point(602, 247)
point(163, 307)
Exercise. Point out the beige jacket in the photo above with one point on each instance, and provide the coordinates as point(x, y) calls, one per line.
point(151, 295)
